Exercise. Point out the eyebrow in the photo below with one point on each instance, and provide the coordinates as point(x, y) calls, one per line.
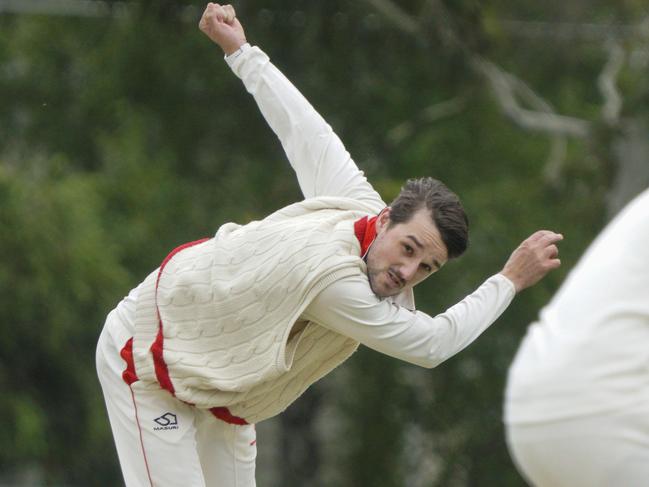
point(436, 263)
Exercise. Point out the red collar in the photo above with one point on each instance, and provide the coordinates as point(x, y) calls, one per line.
point(365, 230)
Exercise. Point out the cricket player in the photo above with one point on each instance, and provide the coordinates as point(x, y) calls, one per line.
point(577, 397)
point(232, 329)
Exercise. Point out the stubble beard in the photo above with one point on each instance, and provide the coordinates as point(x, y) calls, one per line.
point(373, 276)
point(375, 272)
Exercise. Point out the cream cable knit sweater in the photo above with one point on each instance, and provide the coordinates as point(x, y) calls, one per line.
point(228, 305)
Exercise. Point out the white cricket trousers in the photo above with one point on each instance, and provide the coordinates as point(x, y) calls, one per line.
point(163, 442)
point(596, 451)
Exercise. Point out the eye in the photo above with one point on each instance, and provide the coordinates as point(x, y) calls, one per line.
point(427, 268)
point(409, 250)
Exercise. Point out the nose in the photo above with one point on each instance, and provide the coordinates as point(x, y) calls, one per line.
point(408, 271)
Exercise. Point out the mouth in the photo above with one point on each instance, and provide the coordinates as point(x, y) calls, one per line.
point(394, 279)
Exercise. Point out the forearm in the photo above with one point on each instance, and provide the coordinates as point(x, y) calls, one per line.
point(320, 160)
point(413, 337)
point(464, 322)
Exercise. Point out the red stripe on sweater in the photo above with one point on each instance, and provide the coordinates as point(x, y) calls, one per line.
point(129, 376)
point(157, 349)
point(224, 414)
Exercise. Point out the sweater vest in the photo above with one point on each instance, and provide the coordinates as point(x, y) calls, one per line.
point(226, 308)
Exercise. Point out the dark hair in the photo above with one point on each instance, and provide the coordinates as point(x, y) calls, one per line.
point(445, 207)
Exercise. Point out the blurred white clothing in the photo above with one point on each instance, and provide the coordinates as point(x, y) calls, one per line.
point(577, 396)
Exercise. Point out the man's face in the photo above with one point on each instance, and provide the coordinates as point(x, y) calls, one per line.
point(405, 254)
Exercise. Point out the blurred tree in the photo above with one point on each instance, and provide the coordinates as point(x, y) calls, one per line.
point(59, 272)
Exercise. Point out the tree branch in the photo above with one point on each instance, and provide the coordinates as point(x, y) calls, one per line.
point(505, 86)
point(509, 89)
point(607, 84)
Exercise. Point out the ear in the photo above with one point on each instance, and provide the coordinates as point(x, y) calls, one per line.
point(383, 220)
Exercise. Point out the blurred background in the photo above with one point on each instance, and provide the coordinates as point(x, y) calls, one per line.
point(123, 134)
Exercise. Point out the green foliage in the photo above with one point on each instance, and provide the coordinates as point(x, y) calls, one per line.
point(60, 274)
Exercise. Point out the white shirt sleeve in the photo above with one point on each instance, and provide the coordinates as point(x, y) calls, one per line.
point(350, 308)
point(320, 160)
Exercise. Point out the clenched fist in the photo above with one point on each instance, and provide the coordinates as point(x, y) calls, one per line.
point(533, 259)
point(219, 23)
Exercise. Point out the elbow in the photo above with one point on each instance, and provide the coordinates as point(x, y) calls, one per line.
point(430, 363)
point(434, 356)
point(427, 359)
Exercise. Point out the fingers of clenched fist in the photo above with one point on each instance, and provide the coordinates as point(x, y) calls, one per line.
point(543, 245)
point(533, 258)
point(219, 13)
point(229, 13)
point(552, 251)
point(220, 24)
point(544, 237)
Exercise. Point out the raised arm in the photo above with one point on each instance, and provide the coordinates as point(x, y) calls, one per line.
point(320, 160)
